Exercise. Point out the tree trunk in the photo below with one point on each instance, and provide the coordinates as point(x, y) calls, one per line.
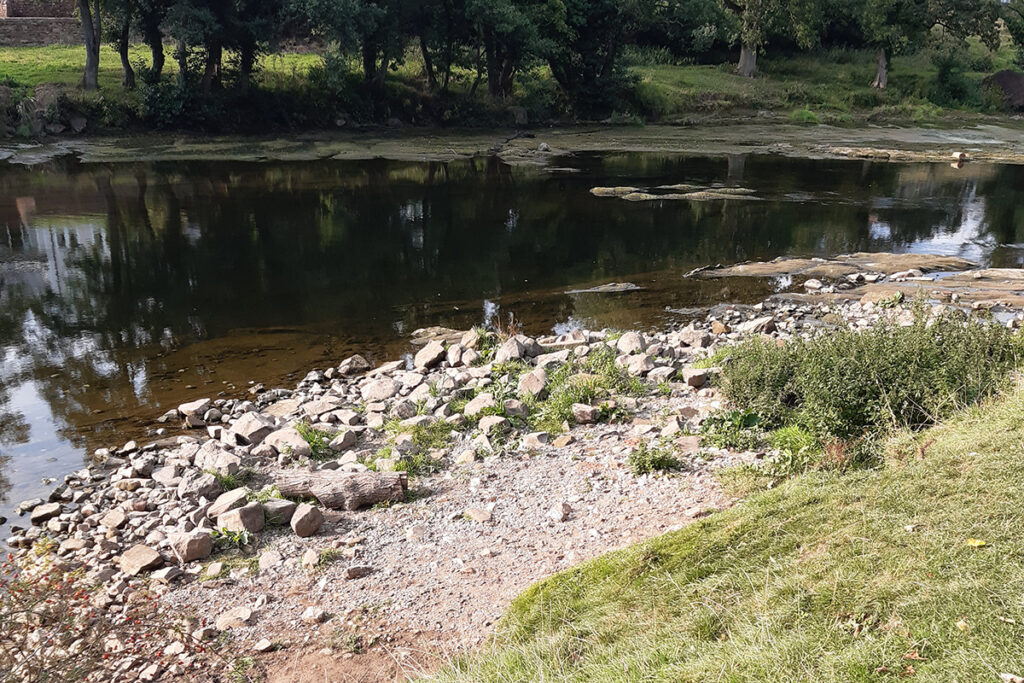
point(91, 26)
point(747, 65)
point(211, 73)
point(428, 64)
point(882, 74)
point(247, 59)
point(181, 55)
point(155, 40)
point(339, 490)
point(493, 66)
point(122, 49)
point(369, 62)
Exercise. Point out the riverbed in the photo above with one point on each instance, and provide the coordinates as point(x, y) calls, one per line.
point(139, 276)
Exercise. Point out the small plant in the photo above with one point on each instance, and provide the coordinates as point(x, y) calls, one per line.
point(737, 429)
point(645, 459)
point(225, 539)
point(230, 482)
point(327, 556)
point(264, 494)
point(804, 116)
point(319, 441)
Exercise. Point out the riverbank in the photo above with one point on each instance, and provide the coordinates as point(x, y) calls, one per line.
point(498, 459)
point(985, 142)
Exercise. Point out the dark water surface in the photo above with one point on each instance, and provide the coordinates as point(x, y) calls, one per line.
point(126, 289)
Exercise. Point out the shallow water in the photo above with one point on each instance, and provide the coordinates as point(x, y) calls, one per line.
point(126, 289)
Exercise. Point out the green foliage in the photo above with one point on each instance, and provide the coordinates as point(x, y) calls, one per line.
point(647, 458)
point(804, 117)
point(847, 383)
point(265, 494)
point(826, 577)
point(225, 539)
point(738, 429)
point(319, 441)
point(230, 482)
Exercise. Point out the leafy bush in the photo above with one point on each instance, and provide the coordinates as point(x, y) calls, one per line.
point(804, 116)
point(645, 459)
point(732, 429)
point(849, 383)
point(319, 441)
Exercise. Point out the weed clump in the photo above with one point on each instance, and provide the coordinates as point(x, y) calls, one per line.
point(646, 458)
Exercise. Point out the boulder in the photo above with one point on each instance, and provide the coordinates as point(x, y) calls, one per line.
point(511, 349)
point(139, 558)
point(343, 441)
point(494, 424)
point(289, 441)
point(253, 427)
point(278, 511)
point(429, 356)
point(246, 518)
point(115, 519)
point(584, 414)
point(353, 365)
point(42, 513)
point(195, 484)
point(195, 409)
point(479, 404)
point(631, 342)
point(192, 545)
point(533, 383)
point(695, 377)
point(235, 618)
point(1010, 84)
point(235, 498)
point(379, 390)
point(306, 520)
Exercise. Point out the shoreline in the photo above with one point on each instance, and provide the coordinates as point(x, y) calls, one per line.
point(496, 496)
point(996, 141)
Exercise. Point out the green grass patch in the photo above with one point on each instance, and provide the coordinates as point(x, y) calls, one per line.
point(319, 441)
point(647, 458)
point(828, 577)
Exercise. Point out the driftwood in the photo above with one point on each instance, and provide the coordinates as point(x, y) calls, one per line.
point(339, 490)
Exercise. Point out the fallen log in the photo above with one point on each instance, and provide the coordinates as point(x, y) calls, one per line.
point(339, 490)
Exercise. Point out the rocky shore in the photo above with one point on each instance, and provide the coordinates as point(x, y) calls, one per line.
point(436, 486)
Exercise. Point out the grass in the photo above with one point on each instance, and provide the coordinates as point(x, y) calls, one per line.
point(647, 458)
point(319, 441)
point(230, 482)
point(869, 575)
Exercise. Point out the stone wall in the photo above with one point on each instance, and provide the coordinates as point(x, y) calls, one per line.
point(37, 8)
point(29, 31)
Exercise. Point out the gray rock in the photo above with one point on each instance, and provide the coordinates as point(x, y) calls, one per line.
point(192, 545)
point(353, 365)
point(357, 571)
point(533, 383)
point(306, 520)
point(195, 409)
point(253, 427)
point(235, 498)
point(139, 558)
point(429, 356)
point(511, 349)
point(379, 390)
point(278, 511)
point(343, 441)
point(631, 342)
point(195, 484)
point(584, 414)
point(479, 403)
point(42, 513)
point(246, 518)
point(494, 424)
point(695, 377)
point(235, 618)
point(288, 441)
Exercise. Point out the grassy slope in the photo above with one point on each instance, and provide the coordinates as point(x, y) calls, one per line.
point(817, 580)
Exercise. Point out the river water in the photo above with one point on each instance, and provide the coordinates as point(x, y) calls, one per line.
point(126, 289)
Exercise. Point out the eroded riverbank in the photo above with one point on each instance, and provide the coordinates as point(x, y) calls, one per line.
point(521, 456)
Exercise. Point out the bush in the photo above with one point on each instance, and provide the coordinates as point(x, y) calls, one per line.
point(646, 459)
point(804, 116)
point(732, 429)
point(847, 384)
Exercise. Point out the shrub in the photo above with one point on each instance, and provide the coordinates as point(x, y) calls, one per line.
point(645, 459)
point(804, 116)
point(737, 429)
point(319, 441)
point(847, 384)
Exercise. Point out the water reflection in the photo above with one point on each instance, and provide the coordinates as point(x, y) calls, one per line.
point(126, 288)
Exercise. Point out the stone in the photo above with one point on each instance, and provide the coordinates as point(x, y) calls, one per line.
point(269, 559)
point(416, 533)
point(466, 457)
point(477, 514)
point(42, 513)
point(263, 645)
point(494, 424)
point(695, 377)
point(639, 365)
point(662, 374)
point(533, 383)
point(195, 484)
point(515, 408)
point(693, 337)
point(479, 403)
point(353, 365)
point(313, 615)
point(560, 512)
point(214, 569)
point(563, 440)
point(246, 518)
point(151, 672)
point(253, 428)
point(536, 439)
point(289, 442)
point(166, 575)
point(357, 571)
point(310, 559)
point(306, 520)
point(235, 498)
point(114, 519)
point(511, 349)
point(343, 441)
point(139, 558)
point(584, 414)
point(718, 327)
point(814, 285)
point(278, 511)
point(454, 354)
point(631, 342)
point(762, 325)
point(429, 356)
point(234, 618)
point(379, 390)
point(195, 409)
point(192, 545)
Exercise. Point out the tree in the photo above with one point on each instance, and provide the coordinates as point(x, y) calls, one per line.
point(507, 31)
point(122, 14)
point(583, 42)
point(1013, 16)
point(91, 33)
